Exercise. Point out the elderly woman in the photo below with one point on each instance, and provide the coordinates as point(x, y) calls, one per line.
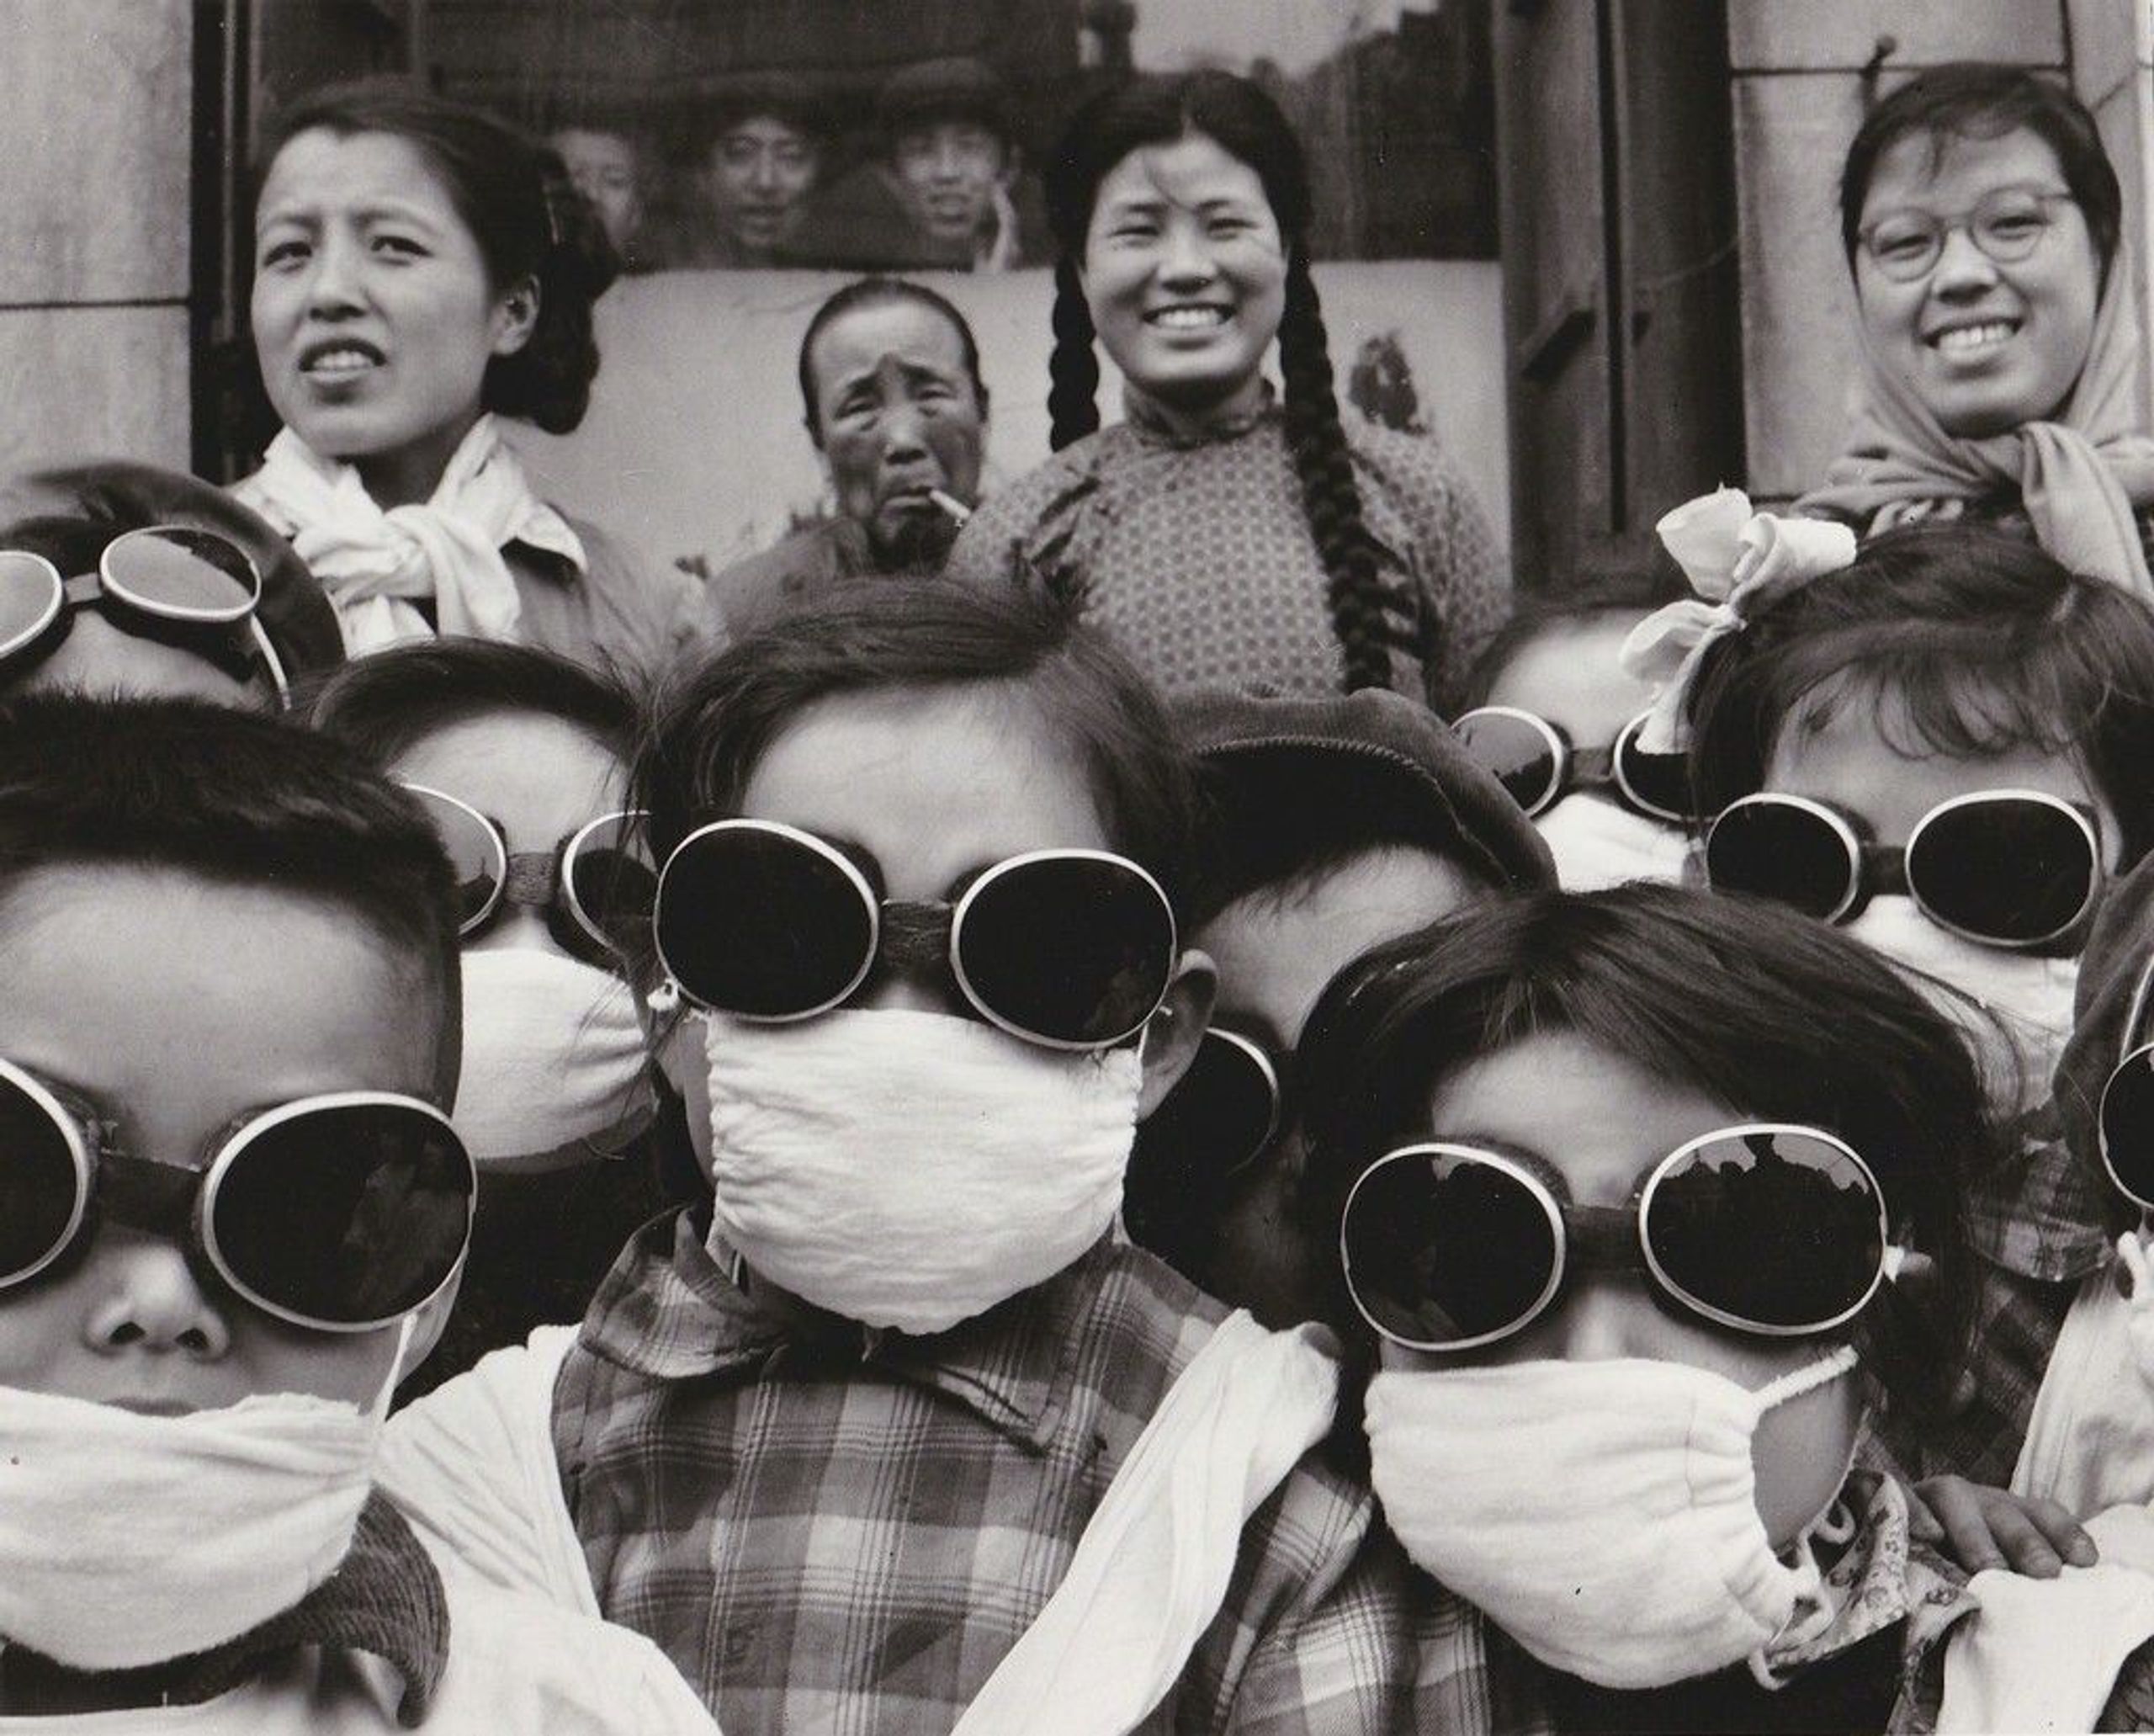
point(1981, 221)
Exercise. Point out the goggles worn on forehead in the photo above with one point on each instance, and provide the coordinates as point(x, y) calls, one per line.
point(2016, 868)
point(194, 589)
point(340, 1214)
point(595, 887)
point(1537, 766)
point(1769, 1229)
point(1066, 948)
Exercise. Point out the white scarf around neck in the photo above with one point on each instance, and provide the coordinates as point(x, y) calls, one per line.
point(375, 565)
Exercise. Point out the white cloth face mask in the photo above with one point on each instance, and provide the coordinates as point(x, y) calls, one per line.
point(554, 1058)
point(1598, 842)
point(910, 1169)
point(2028, 997)
point(128, 1540)
point(1603, 1514)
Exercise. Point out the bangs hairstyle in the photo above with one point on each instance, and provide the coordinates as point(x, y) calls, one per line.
point(883, 292)
point(1978, 100)
point(386, 704)
point(1956, 640)
point(929, 635)
point(514, 195)
point(1779, 1017)
point(187, 787)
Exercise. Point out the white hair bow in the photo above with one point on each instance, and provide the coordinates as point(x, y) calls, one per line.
point(1737, 561)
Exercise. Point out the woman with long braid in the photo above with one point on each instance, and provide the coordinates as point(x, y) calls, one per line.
point(1228, 534)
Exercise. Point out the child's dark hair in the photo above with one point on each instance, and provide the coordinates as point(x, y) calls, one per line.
point(708, 734)
point(1777, 1017)
point(1318, 813)
point(1631, 587)
point(1961, 641)
point(1979, 99)
point(386, 704)
point(883, 292)
point(1245, 123)
point(184, 786)
point(515, 196)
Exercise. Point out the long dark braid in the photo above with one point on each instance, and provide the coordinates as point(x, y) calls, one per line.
point(1245, 123)
point(1073, 368)
point(1331, 498)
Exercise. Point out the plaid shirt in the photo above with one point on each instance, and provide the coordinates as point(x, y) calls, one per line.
point(2040, 1226)
point(839, 1531)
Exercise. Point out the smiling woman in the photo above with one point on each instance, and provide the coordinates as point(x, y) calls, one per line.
point(1981, 221)
point(420, 267)
point(1229, 539)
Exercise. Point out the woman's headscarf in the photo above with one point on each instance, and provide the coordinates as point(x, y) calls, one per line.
point(2080, 476)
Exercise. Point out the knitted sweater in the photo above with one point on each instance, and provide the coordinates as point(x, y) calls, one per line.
point(1197, 556)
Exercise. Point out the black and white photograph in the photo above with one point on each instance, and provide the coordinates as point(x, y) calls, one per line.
point(823, 822)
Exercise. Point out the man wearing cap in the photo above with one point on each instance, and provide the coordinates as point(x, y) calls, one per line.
point(941, 195)
point(1328, 827)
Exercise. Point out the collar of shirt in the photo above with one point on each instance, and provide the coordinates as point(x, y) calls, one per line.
point(385, 1599)
point(1143, 415)
point(672, 1309)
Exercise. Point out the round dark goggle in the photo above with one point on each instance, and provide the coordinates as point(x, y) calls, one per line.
point(2016, 868)
point(1219, 1118)
point(173, 582)
point(1772, 1230)
point(595, 887)
point(1535, 762)
point(1067, 948)
point(340, 1213)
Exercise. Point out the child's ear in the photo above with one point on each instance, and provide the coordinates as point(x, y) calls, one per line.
point(1171, 1036)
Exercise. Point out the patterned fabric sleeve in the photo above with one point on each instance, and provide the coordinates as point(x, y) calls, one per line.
point(1451, 547)
point(1027, 526)
point(1315, 1638)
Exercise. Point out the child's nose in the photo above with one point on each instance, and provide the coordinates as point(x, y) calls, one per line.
point(147, 1298)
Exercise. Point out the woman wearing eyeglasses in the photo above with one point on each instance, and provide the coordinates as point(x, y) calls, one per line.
point(420, 270)
point(1622, 1193)
point(1982, 221)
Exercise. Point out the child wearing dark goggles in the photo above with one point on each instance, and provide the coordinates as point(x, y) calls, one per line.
point(1608, 1178)
point(519, 758)
point(1326, 826)
point(1556, 719)
point(1071, 949)
point(1940, 746)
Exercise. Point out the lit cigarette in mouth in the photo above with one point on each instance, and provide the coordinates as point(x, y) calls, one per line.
point(957, 510)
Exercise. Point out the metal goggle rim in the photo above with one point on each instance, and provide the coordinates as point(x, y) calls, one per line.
point(1539, 1190)
point(154, 607)
point(498, 853)
point(2135, 1052)
point(873, 905)
point(1561, 756)
point(86, 1161)
point(1858, 892)
point(1261, 1058)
